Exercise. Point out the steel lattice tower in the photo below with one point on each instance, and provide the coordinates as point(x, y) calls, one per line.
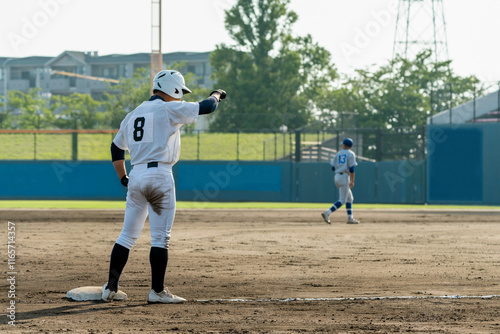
point(420, 25)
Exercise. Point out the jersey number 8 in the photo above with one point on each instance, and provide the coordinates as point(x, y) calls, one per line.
point(139, 128)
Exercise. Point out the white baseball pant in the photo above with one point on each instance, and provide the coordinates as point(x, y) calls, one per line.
point(342, 182)
point(150, 190)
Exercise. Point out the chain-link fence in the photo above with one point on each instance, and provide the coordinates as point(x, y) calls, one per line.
point(305, 144)
point(309, 144)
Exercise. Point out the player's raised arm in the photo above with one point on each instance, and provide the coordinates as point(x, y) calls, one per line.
point(209, 105)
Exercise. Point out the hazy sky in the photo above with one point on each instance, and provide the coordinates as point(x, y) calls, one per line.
point(49, 27)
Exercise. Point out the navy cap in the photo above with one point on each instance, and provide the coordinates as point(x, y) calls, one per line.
point(348, 142)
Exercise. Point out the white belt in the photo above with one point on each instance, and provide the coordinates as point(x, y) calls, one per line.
point(149, 165)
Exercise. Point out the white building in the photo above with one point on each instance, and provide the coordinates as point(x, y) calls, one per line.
point(38, 72)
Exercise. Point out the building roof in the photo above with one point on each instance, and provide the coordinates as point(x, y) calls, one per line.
point(117, 58)
point(144, 57)
point(27, 61)
point(94, 58)
point(72, 55)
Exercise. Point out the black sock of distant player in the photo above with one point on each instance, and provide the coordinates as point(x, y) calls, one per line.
point(119, 257)
point(158, 258)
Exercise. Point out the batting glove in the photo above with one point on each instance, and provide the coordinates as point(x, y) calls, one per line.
point(221, 92)
point(124, 180)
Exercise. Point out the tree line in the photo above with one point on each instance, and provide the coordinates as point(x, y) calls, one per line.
point(273, 78)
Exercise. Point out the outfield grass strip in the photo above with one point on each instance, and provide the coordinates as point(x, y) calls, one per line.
point(84, 204)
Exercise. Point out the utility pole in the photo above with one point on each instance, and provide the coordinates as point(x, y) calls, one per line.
point(156, 55)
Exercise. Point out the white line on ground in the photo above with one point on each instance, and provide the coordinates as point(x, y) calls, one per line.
point(344, 299)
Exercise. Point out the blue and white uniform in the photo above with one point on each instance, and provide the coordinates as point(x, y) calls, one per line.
point(343, 165)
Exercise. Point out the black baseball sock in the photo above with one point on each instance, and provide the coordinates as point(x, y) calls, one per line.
point(119, 257)
point(158, 258)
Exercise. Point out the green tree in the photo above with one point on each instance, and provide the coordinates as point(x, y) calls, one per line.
point(271, 77)
point(400, 94)
point(78, 111)
point(35, 111)
point(131, 92)
point(126, 96)
point(5, 117)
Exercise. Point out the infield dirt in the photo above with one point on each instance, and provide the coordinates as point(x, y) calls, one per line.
point(256, 256)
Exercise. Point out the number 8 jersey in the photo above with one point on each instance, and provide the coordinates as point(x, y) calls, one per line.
point(344, 160)
point(151, 131)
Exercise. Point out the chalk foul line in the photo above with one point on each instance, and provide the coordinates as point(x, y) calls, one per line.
point(238, 300)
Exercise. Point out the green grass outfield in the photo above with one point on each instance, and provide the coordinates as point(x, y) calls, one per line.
point(35, 204)
point(95, 146)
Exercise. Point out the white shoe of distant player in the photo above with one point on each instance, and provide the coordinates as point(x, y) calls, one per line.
point(164, 297)
point(352, 221)
point(326, 217)
point(107, 294)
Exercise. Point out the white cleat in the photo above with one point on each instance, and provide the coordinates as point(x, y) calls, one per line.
point(326, 217)
point(352, 221)
point(107, 294)
point(164, 297)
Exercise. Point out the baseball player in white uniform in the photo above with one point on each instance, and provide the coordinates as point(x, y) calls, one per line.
point(151, 134)
point(343, 165)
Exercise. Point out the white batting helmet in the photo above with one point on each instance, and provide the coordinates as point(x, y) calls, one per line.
point(170, 82)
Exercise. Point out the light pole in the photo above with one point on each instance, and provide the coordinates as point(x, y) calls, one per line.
point(5, 76)
point(283, 129)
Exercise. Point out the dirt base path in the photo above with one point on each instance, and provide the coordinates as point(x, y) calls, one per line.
point(248, 271)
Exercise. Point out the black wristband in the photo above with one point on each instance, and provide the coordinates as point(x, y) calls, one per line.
point(124, 181)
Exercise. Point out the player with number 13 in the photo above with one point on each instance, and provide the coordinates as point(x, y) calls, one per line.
point(343, 165)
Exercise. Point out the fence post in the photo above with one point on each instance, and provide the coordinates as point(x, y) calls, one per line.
point(338, 140)
point(197, 144)
point(379, 145)
point(474, 106)
point(430, 99)
point(74, 142)
point(284, 143)
point(424, 141)
point(34, 146)
point(238, 145)
point(498, 102)
point(451, 101)
point(275, 146)
point(298, 152)
point(319, 148)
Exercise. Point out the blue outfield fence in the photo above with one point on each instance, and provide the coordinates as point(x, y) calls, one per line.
point(463, 164)
point(462, 167)
point(206, 181)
